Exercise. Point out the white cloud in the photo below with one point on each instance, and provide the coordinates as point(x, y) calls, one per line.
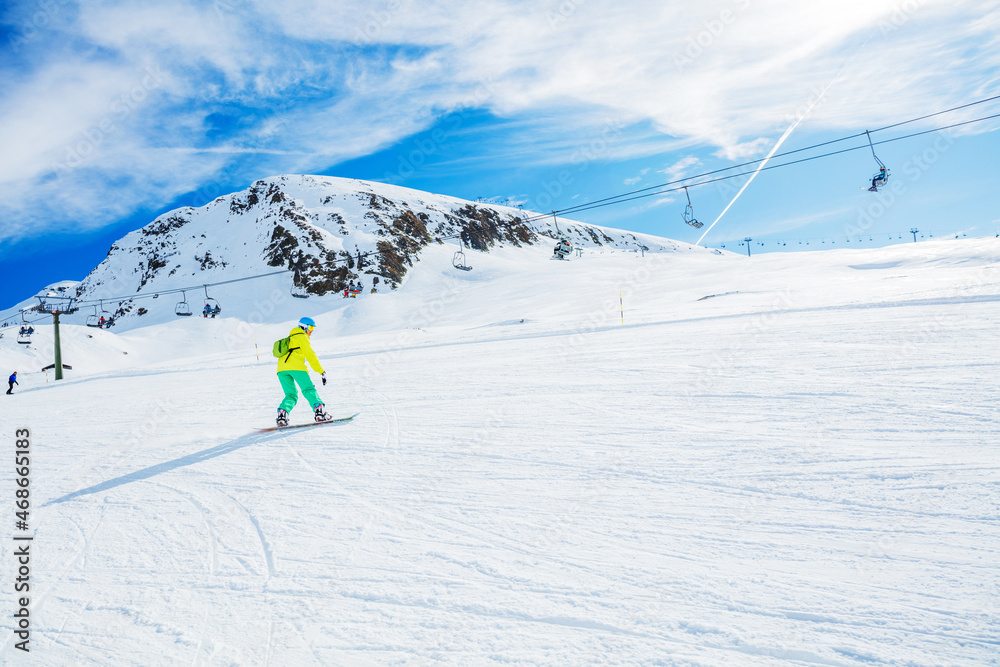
point(662, 201)
point(636, 179)
point(307, 83)
point(746, 149)
point(680, 168)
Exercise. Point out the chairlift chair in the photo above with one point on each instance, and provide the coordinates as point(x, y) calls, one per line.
point(689, 212)
point(94, 320)
point(881, 177)
point(458, 261)
point(183, 309)
point(562, 250)
point(24, 335)
point(213, 305)
point(105, 315)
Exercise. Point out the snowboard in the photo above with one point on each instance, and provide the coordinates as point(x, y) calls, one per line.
point(342, 420)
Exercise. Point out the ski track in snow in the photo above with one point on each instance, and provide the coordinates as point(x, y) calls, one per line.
point(804, 473)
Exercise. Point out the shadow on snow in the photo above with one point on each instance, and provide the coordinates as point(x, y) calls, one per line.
point(167, 466)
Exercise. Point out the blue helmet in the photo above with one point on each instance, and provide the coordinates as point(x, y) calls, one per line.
point(307, 323)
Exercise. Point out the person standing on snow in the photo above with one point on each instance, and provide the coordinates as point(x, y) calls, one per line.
point(292, 370)
point(12, 380)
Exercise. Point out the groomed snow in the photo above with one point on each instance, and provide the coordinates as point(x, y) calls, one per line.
point(801, 469)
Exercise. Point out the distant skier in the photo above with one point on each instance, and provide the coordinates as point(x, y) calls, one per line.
point(292, 370)
point(206, 310)
point(216, 310)
point(879, 179)
point(12, 380)
point(102, 323)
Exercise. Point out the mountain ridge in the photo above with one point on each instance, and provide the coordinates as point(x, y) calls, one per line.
point(325, 231)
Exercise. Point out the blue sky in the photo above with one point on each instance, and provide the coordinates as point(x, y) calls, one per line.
point(115, 112)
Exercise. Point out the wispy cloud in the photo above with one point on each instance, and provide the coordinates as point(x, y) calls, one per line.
point(681, 168)
point(116, 106)
point(638, 178)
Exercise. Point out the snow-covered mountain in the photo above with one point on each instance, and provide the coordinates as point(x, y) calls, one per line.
point(326, 232)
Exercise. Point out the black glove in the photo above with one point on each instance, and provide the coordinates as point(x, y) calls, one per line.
point(323, 377)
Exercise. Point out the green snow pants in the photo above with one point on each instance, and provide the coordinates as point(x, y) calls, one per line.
point(288, 380)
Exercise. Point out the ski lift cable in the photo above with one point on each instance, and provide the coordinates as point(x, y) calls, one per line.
point(778, 155)
point(931, 115)
point(617, 200)
point(181, 290)
point(23, 320)
point(846, 238)
point(786, 153)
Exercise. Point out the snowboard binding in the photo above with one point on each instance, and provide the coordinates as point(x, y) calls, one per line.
point(321, 415)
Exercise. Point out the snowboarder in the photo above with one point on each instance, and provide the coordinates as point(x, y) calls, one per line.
point(12, 380)
point(292, 370)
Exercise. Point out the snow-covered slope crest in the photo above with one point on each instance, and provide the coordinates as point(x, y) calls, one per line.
point(325, 231)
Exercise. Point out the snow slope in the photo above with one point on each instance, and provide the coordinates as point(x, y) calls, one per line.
point(799, 469)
